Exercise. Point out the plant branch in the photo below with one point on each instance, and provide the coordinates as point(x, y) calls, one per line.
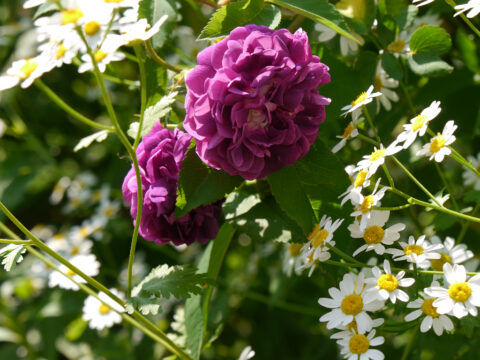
point(151, 51)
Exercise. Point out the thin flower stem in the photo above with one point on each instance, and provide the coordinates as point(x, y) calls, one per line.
point(15, 242)
point(464, 18)
point(165, 341)
point(466, 225)
point(120, 81)
point(151, 51)
point(62, 104)
point(342, 254)
point(370, 122)
point(445, 210)
point(391, 208)
point(447, 186)
point(367, 139)
point(297, 21)
point(92, 282)
point(418, 183)
point(143, 93)
point(124, 140)
point(410, 344)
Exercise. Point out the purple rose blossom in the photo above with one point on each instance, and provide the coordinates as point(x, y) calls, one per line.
point(252, 103)
point(160, 156)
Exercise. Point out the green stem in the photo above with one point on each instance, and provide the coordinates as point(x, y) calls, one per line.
point(447, 186)
point(343, 255)
point(62, 104)
point(414, 179)
point(391, 208)
point(367, 139)
point(143, 93)
point(124, 140)
point(370, 122)
point(15, 242)
point(445, 210)
point(158, 59)
point(8, 232)
point(407, 96)
point(464, 18)
point(120, 81)
point(410, 344)
point(165, 341)
point(466, 225)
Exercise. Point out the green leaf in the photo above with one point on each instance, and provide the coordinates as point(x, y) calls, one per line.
point(199, 185)
point(153, 10)
point(152, 114)
point(12, 255)
point(46, 9)
point(391, 65)
point(428, 65)
point(405, 17)
point(472, 196)
point(220, 246)
point(264, 220)
point(165, 281)
point(291, 197)
point(318, 10)
point(99, 136)
point(157, 81)
point(430, 39)
point(240, 13)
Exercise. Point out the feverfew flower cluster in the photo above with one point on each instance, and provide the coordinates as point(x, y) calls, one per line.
point(93, 30)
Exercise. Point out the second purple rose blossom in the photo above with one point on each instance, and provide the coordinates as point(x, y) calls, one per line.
point(252, 103)
point(160, 156)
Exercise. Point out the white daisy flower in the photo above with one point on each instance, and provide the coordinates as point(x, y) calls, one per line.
point(33, 3)
point(374, 234)
point(325, 33)
point(350, 131)
point(96, 20)
point(462, 295)
point(364, 98)
point(418, 125)
point(418, 252)
point(105, 55)
point(347, 44)
point(385, 85)
point(399, 47)
point(24, 72)
point(352, 328)
point(140, 30)
point(348, 304)
point(58, 243)
point(363, 204)
point(72, 15)
point(316, 249)
point(292, 259)
point(102, 314)
point(105, 211)
point(84, 231)
point(432, 318)
point(360, 179)
point(61, 52)
point(450, 253)
point(473, 8)
point(247, 353)
point(469, 177)
point(419, 3)
point(385, 285)
point(358, 346)
point(437, 148)
point(86, 263)
point(122, 3)
point(377, 158)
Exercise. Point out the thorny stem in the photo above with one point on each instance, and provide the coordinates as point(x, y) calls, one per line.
point(63, 105)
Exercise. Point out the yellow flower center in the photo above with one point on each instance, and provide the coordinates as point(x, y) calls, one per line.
point(437, 264)
point(100, 55)
point(387, 282)
point(437, 143)
point(377, 154)
point(84, 231)
point(366, 204)
point(348, 130)
point(28, 68)
point(109, 211)
point(418, 122)
point(70, 272)
point(113, 1)
point(360, 179)
point(91, 28)
point(373, 234)
point(409, 249)
point(396, 46)
point(352, 304)
point(377, 83)
point(71, 16)
point(61, 50)
point(319, 238)
point(359, 344)
point(103, 309)
point(428, 308)
point(460, 292)
point(75, 250)
point(360, 98)
point(294, 249)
